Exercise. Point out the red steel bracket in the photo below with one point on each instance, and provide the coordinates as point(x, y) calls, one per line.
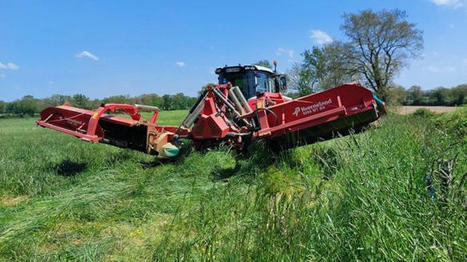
point(94, 120)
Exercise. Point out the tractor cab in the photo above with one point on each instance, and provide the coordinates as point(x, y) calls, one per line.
point(252, 79)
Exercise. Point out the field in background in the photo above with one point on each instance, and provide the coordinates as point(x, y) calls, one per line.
point(405, 110)
point(172, 118)
point(395, 192)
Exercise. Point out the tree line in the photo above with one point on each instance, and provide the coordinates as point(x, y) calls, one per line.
point(28, 105)
point(440, 96)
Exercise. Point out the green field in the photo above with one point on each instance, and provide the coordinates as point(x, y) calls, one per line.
point(360, 197)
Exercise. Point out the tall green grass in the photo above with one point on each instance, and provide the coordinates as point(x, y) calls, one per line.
point(360, 197)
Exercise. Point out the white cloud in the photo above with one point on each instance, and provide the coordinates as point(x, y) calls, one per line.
point(431, 54)
point(88, 55)
point(320, 37)
point(289, 52)
point(180, 63)
point(8, 66)
point(280, 51)
point(450, 69)
point(445, 69)
point(450, 3)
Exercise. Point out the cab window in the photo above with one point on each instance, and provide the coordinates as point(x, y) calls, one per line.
point(262, 83)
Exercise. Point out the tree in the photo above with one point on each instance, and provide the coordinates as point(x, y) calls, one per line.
point(339, 68)
point(167, 102)
point(56, 100)
point(264, 63)
point(459, 93)
point(313, 70)
point(119, 99)
point(415, 95)
point(440, 96)
point(28, 105)
point(2, 107)
point(149, 99)
point(381, 44)
point(13, 107)
point(323, 68)
point(397, 96)
point(293, 78)
point(179, 101)
point(80, 100)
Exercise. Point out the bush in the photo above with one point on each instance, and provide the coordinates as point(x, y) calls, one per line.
point(454, 123)
point(423, 112)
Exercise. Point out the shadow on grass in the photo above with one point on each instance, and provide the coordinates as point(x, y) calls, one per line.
point(157, 162)
point(69, 168)
point(257, 158)
point(219, 174)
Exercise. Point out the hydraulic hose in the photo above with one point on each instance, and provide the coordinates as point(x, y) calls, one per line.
point(267, 110)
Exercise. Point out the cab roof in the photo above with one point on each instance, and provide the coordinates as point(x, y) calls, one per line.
point(242, 68)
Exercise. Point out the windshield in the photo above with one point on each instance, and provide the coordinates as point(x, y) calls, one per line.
point(242, 80)
point(234, 79)
point(249, 82)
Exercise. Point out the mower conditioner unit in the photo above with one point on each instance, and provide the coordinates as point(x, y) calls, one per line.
point(246, 105)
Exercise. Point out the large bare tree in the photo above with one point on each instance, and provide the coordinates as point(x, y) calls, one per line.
point(382, 42)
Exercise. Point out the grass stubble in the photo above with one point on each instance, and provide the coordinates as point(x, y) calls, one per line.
point(395, 192)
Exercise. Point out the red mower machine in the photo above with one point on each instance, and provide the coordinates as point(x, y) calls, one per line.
point(246, 105)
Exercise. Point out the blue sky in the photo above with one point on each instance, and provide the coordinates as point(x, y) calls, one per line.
point(103, 48)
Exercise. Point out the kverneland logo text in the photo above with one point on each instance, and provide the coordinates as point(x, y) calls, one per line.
point(312, 108)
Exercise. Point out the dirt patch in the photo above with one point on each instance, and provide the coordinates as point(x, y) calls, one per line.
point(405, 110)
point(11, 201)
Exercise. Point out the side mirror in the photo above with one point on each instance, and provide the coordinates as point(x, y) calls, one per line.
point(283, 83)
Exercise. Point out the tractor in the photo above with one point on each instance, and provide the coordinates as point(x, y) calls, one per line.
point(246, 105)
